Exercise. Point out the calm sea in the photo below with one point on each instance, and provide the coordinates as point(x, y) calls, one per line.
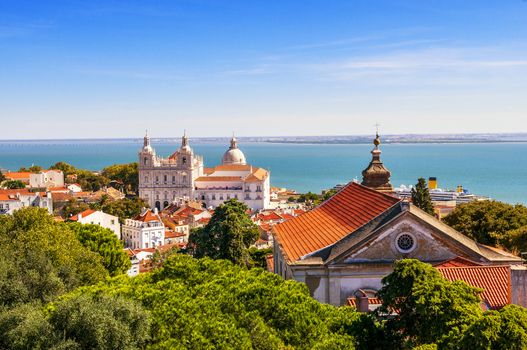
point(498, 170)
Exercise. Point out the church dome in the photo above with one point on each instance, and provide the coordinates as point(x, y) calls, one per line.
point(233, 155)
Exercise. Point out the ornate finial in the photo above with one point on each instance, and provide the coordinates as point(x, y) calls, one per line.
point(377, 140)
point(146, 140)
point(184, 139)
point(234, 142)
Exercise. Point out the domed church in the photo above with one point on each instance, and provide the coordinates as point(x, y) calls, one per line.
point(182, 175)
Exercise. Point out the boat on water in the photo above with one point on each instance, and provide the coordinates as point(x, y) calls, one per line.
point(459, 195)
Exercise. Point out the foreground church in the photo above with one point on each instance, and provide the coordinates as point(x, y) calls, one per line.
point(344, 247)
point(183, 175)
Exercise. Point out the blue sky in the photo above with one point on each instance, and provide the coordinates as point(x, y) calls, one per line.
point(82, 69)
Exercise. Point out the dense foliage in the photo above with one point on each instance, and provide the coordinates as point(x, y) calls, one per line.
point(77, 322)
point(435, 313)
point(104, 242)
point(228, 235)
point(40, 259)
point(492, 223)
point(13, 184)
point(206, 304)
point(124, 209)
point(421, 196)
point(126, 176)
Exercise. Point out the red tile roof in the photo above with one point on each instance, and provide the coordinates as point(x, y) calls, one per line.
point(494, 280)
point(371, 301)
point(84, 214)
point(218, 178)
point(272, 216)
point(457, 262)
point(342, 214)
point(21, 175)
point(148, 217)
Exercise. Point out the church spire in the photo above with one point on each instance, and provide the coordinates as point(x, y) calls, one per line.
point(234, 142)
point(184, 142)
point(376, 176)
point(146, 140)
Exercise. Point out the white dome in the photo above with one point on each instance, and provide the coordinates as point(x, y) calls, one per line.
point(233, 155)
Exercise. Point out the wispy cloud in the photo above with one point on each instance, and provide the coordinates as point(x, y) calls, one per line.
point(418, 63)
point(9, 31)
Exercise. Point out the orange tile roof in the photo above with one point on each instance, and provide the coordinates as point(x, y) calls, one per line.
point(233, 167)
point(218, 178)
point(17, 175)
point(494, 280)
point(171, 234)
point(457, 262)
point(148, 217)
point(342, 214)
point(269, 216)
point(258, 174)
point(208, 170)
point(371, 301)
point(84, 214)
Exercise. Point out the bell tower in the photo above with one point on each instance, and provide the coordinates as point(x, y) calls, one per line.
point(376, 176)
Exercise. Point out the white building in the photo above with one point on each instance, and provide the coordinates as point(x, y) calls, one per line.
point(144, 231)
point(11, 200)
point(134, 260)
point(97, 217)
point(47, 179)
point(163, 181)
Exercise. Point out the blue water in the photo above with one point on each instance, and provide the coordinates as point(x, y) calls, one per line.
point(498, 170)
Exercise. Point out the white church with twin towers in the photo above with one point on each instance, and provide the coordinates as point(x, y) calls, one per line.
point(183, 176)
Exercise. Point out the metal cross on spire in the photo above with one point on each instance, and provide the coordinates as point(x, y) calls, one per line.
point(377, 128)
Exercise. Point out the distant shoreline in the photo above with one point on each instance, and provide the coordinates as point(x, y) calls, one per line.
point(330, 140)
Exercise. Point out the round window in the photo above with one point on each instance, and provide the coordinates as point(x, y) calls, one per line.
point(405, 243)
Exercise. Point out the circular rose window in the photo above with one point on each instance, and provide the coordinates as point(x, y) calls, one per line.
point(405, 243)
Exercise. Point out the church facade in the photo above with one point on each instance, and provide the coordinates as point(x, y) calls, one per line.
point(344, 247)
point(182, 175)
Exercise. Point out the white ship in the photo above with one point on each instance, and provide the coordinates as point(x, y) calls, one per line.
point(460, 195)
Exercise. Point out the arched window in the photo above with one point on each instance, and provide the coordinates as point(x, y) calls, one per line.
point(165, 204)
point(145, 160)
point(184, 160)
point(158, 205)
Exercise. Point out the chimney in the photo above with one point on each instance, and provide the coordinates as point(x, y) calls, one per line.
point(405, 205)
point(363, 304)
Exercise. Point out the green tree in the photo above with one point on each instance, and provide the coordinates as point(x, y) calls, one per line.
point(488, 222)
point(429, 308)
point(66, 168)
point(2, 177)
point(104, 242)
point(126, 175)
point(77, 322)
point(40, 259)
point(421, 197)
point(73, 207)
point(228, 235)
point(258, 257)
point(124, 208)
point(14, 184)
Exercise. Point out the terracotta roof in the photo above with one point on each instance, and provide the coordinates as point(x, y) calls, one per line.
point(269, 216)
point(233, 167)
point(208, 170)
point(457, 262)
point(84, 214)
point(17, 175)
point(371, 301)
point(58, 189)
point(61, 197)
point(257, 175)
point(218, 178)
point(342, 214)
point(148, 217)
point(494, 280)
point(170, 234)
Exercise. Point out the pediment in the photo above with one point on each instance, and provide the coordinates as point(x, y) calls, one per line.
point(406, 236)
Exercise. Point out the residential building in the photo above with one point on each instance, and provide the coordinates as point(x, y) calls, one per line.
point(97, 217)
point(144, 231)
point(11, 200)
point(46, 179)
